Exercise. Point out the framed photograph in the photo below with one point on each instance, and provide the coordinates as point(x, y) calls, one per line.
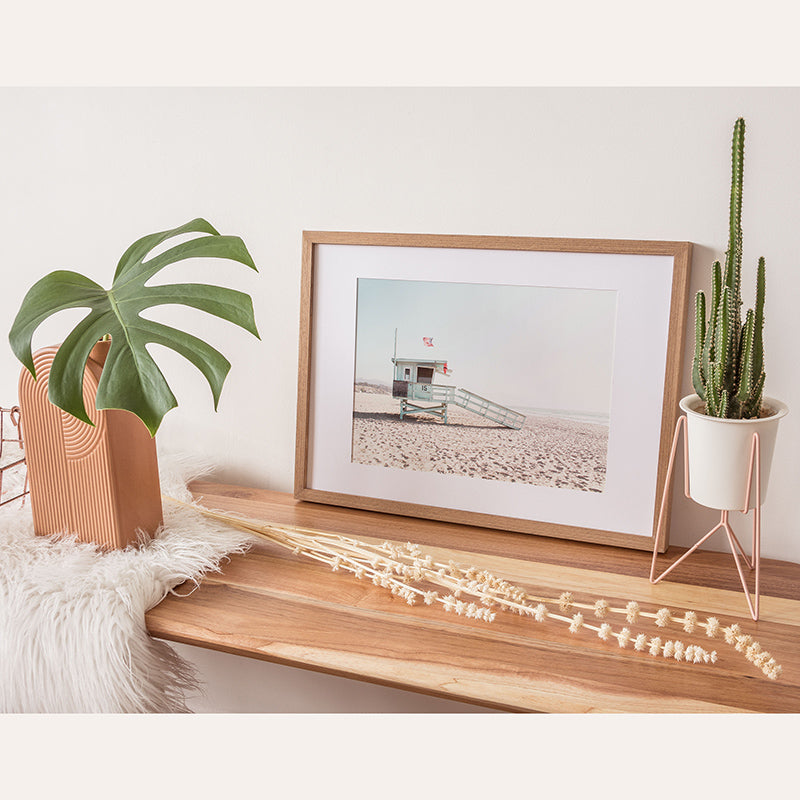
point(516, 383)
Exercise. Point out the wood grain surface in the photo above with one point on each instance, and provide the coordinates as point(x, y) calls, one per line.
point(277, 606)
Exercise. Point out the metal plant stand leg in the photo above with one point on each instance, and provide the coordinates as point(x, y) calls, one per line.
point(753, 474)
point(16, 421)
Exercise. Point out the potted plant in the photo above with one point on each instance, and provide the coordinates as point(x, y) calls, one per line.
point(728, 376)
point(92, 405)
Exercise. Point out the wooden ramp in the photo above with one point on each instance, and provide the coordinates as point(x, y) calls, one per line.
point(429, 392)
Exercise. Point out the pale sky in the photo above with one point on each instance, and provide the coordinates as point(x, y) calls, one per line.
point(522, 346)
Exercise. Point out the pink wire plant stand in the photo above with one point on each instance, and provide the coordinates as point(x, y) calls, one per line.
point(12, 416)
point(753, 474)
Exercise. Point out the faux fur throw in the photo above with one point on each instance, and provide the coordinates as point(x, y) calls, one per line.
point(72, 630)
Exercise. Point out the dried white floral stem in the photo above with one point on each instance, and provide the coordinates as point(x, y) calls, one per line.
point(402, 568)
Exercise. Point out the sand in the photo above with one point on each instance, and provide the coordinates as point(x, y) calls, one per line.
point(547, 451)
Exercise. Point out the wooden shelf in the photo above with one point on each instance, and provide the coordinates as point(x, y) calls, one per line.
point(277, 606)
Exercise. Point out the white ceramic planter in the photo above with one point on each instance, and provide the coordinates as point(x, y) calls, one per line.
point(719, 454)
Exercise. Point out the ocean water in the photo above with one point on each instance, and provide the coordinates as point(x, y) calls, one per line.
point(577, 416)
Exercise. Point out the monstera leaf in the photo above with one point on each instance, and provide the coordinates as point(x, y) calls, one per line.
point(130, 379)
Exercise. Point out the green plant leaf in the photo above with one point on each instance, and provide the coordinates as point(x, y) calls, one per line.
point(131, 380)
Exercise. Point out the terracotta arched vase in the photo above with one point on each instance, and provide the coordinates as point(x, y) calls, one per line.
point(98, 482)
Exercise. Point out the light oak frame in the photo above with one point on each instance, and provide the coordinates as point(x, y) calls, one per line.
point(681, 255)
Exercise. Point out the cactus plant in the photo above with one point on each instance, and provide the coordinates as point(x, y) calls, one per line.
point(728, 368)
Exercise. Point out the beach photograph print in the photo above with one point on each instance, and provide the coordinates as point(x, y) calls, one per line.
point(494, 382)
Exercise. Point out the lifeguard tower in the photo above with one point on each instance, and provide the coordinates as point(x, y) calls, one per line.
point(413, 383)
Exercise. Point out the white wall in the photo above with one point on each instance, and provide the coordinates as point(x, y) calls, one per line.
point(86, 171)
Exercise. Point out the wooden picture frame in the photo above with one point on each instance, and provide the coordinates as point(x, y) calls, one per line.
point(612, 318)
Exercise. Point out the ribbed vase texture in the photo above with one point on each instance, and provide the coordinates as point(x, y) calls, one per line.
point(99, 482)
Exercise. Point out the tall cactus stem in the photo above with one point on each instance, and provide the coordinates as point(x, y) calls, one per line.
point(724, 348)
point(733, 259)
point(716, 284)
point(747, 375)
point(728, 366)
point(698, 372)
point(758, 325)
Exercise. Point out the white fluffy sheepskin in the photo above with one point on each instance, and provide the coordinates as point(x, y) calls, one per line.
point(72, 630)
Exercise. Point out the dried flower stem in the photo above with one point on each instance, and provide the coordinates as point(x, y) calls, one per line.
point(407, 572)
